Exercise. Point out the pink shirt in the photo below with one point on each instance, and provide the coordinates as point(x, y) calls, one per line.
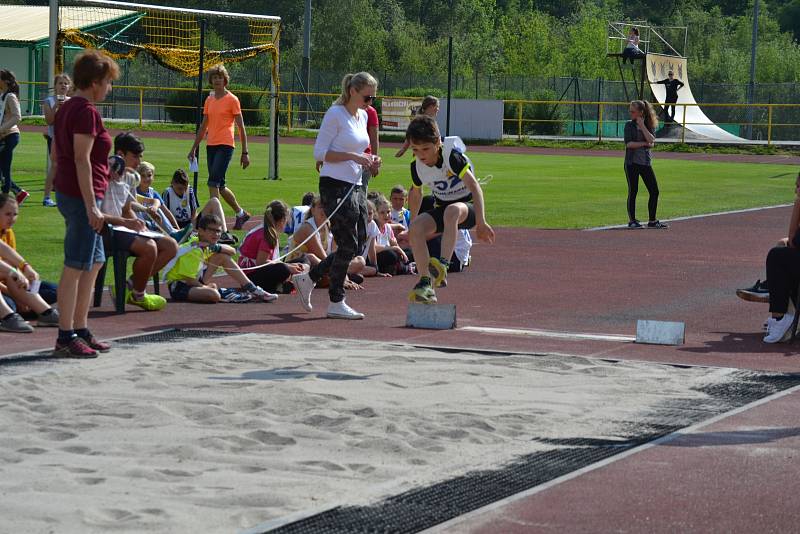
point(372, 121)
point(254, 242)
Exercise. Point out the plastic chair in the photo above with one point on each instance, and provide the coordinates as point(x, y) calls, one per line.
point(120, 259)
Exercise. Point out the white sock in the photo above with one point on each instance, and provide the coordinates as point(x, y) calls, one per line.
point(241, 213)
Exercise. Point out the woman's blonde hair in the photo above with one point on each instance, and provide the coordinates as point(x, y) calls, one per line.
point(219, 70)
point(648, 114)
point(62, 76)
point(355, 81)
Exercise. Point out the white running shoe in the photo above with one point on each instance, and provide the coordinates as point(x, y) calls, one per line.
point(263, 295)
point(340, 310)
point(304, 285)
point(779, 330)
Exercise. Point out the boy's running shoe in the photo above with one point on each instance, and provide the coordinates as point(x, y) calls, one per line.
point(182, 235)
point(147, 302)
point(240, 220)
point(96, 344)
point(234, 296)
point(227, 238)
point(422, 293)
point(657, 224)
point(304, 285)
point(262, 294)
point(438, 272)
point(758, 293)
point(74, 348)
point(48, 203)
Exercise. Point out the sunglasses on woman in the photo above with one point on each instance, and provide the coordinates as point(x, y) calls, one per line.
point(369, 98)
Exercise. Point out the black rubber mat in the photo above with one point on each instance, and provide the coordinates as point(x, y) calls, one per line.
point(425, 507)
point(163, 336)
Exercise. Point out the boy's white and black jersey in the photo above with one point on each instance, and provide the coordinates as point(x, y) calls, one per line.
point(181, 207)
point(445, 179)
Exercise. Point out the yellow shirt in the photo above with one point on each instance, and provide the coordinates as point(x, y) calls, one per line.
point(9, 238)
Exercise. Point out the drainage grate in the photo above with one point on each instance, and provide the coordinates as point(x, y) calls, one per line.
point(422, 508)
point(163, 336)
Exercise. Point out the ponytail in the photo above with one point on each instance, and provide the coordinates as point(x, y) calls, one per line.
point(355, 81)
point(276, 210)
point(648, 114)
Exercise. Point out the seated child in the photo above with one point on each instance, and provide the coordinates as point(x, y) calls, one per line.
point(152, 253)
point(260, 248)
point(189, 275)
point(444, 168)
point(368, 253)
point(298, 214)
point(400, 216)
point(156, 216)
point(13, 280)
point(180, 200)
point(391, 259)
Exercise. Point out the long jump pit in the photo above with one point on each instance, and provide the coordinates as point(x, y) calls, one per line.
point(208, 431)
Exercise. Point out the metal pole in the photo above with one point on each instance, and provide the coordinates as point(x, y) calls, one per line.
point(272, 173)
point(449, 81)
point(751, 89)
point(307, 56)
point(51, 52)
point(199, 117)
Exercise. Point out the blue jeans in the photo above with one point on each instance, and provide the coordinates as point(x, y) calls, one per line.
point(83, 247)
point(218, 158)
point(7, 146)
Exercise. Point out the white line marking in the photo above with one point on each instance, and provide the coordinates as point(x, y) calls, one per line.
point(689, 217)
point(574, 336)
point(589, 468)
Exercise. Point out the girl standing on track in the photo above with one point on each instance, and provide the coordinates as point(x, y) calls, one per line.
point(639, 139)
point(341, 146)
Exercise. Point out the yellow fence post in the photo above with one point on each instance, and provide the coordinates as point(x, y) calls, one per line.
point(600, 122)
point(289, 111)
point(683, 129)
point(519, 120)
point(769, 125)
point(141, 105)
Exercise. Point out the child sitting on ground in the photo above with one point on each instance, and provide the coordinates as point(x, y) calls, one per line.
point(391, 259)
point(260, 248)
point(369, 253)
point(16, 297)
point(298, 214)
point(400, 216)
point(179, 198)
point(189, 275)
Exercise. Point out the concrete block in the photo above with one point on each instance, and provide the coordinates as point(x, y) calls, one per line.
point(431, 316)
point(660, 332)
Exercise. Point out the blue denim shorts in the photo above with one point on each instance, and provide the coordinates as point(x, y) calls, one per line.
point(83, 247)
point(218, 158)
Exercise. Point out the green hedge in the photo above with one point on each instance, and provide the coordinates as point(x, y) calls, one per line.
point(256, 109)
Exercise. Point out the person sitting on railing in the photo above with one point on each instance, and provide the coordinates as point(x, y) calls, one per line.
point(632, 50)
point(672, 86)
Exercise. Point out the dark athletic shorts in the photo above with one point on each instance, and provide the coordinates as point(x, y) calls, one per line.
point(437, 213)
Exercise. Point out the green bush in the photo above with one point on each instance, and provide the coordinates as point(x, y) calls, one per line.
point(255, 106)
point(420, 92)
point(553, 115)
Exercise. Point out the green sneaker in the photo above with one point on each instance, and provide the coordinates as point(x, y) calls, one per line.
point(148, 302)
point(438, 271)
point(422, 293)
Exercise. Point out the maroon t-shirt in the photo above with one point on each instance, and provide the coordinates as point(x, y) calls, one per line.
point(79, 116)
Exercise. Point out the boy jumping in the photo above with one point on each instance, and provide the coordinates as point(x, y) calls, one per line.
point(444, 168)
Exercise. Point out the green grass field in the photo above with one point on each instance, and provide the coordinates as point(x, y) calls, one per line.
point(526, 191)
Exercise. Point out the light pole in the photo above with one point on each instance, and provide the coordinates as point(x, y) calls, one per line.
point(449, 72)
point(751, 88)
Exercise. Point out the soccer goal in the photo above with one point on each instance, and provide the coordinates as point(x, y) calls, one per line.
point(185, 42)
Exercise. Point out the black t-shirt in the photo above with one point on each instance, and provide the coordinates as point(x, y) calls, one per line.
point(672, 87)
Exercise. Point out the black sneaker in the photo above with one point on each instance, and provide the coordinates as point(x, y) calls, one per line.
point(759, 292)
point(226, 238)
point(635, 224)
point(657, 224)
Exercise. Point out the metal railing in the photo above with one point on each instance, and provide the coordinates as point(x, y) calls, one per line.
point(522, 118)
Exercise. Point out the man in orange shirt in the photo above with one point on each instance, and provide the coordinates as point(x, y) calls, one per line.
point(220, 111)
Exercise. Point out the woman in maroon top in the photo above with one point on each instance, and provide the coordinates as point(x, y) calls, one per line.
point(82, 145)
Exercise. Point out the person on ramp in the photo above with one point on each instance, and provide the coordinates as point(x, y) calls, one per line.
point(447, 171)
point(672, 86)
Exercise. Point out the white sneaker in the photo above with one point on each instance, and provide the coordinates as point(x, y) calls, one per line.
point(304, 285)
point(263, 295)
point(340, 310)
point(778, 331)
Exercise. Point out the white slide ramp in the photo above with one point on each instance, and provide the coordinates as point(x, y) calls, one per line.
point(657, 68)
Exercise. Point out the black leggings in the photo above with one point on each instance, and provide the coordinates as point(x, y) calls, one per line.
point(783, 273)
point(632, 173)
point(270, 277)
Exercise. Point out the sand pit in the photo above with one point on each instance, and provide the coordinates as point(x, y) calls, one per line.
point(221, 435)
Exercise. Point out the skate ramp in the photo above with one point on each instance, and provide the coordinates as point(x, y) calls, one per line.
point(696, 121)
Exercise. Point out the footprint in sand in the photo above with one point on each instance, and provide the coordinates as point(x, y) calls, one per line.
point(32, 450)
point(77, 449)
point(364, 469)
point(91, 481)
point(325, 421)
point(58, 435)
point(327, 466)
point(176, 473)
point(249, 469)
point(153, 511)
point(79, 470)
point(271, 438)
point(417, 461)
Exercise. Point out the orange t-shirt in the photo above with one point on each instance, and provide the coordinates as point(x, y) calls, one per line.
point(221, 112)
